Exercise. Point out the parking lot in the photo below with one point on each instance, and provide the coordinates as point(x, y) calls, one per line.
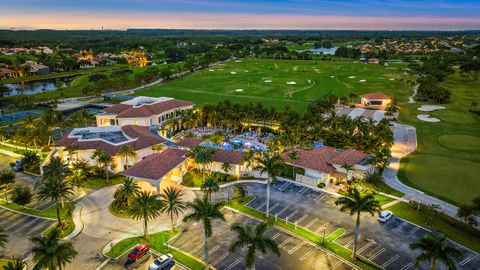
point(20, 229)
point(387, 245)
point(295, 253)
point(143, 263)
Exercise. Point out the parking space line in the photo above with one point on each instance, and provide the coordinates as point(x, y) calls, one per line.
point(14, 224)
point(311, 223)
point(261, 206)
point(402, 225)
point(301, 191)
point(413, 231)
point(197, 248)
point(302, 218)
point(366, 246)
point(348, 244)
point(285, 242)
point(291, 215)
point(335, 265)
point(210, 252)
point(281, 211)
point(282, 188)
point(322, 227)
point(466, 260)
point(275, 236)
point(250, 202)
point(387, 263)
point(408, 266)
point(376, 254)
point(297, 247)
point(320, 196)
point(26, 224)
point(306, 255)
point(234, 264)
point(273, 207)
point(221, 258)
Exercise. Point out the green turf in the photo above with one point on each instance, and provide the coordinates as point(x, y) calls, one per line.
point(455, 117)
point(212, 86)
point(402, 210)
point(100, 182)
point(50, 212)
point(460, 142)
point(382, 199)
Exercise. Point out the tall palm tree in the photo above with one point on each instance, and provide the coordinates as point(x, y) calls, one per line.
point(56, 169)
point(145, 206)
point(173, 202)
point(126, 151)
point(56, 190)
point(206, 212)
point(3, 239)
point(15, 264)
point(226, 167)
point(51, 253)
point(127, 191)
point(355, 202)
point(210, 186)
point(72, 150)
point(271, 164)
point(347, 168)
point(85, 116)
point(104, 160)
point(7, 177)
point(435, 249)
point(254, 239)
point(203, 156)
point(293, 155)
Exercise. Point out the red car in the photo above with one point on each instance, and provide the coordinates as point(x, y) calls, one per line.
point(138, 252)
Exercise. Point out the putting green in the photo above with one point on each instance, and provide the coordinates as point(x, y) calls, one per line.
point(455, 117)
point(452, 179)
point(460, 142)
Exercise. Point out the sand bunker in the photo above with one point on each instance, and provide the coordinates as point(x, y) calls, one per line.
point(211, 70)
point(362, 80)
point(430, 108)
point(351, 77)
point(392, 79)
point(238, 90)
point(291, 83)
point(238, 61)
point(332, 77)
point(233, 72)
point(427, 118)
point(268, 81)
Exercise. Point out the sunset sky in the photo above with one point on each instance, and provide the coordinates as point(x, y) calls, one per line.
point(241, 14)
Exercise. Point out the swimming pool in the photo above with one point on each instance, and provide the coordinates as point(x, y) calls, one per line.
point(235, 144)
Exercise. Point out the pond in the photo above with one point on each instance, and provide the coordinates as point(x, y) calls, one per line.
point(39, 86)
point(330, 51)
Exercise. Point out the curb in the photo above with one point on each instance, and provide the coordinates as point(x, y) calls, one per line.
point(79, 224)
point(26, 214)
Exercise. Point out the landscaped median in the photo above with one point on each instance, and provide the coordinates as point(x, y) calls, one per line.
point(157, 242)
point(327, 243)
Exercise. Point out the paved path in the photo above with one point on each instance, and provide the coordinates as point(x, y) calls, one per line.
point(410, 98)
point(405, 143)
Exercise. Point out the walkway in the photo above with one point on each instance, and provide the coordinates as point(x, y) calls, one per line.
point(410, 98)
point(405, 143)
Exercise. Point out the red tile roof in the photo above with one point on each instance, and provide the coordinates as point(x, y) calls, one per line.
point(375, 96)
point(190, 142)
point(6, 71)
point(157, 165)
point(322, 158)
point(229, 156)
point(144, 139)
point(146, 110)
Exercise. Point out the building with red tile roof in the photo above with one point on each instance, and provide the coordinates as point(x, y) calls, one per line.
point(189, 143)
point(327, 164)
point(375, 100)
point(6, 73)
point(143, 111)
point(111, 140)
point(234, 158)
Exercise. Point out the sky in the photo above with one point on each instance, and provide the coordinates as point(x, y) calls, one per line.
point(241, 14)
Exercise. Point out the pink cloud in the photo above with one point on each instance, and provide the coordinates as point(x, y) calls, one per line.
point(124, 20)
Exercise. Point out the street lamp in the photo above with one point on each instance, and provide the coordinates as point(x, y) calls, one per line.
point(324, 228)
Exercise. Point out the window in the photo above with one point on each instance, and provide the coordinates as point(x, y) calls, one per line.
point(136, 123)
point(113, 122)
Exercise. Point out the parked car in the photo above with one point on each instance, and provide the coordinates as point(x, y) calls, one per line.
point(137, 253)
point(18, 166)
point(164, 262)
point(385, 216)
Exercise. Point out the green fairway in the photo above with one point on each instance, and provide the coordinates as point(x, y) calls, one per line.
point(266, 81)
point(460, 142)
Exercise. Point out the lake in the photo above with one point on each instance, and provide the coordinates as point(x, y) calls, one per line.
point(39, 86)
point(322, 50)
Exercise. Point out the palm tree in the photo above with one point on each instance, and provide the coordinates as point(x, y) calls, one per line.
point(7, 177)
point(127, 190)
point(57, 170)
point(355, 202)
point(435, 248)
point(203, 210)
point(72, 150)
point(85, 116)
point(51, 253)
point(347, 168)
point(210, 186)
point(271, 164)
point(3, 239)
point(126, 152)
point(226, 168)
point(15, 264)
point(254, 239)
point(203, 156)
point(293, 155)
point(173, 202)
point(103, 159)
point(145, 206)
point(56, 190)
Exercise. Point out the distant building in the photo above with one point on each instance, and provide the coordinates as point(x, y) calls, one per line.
point(375, 61)
point(6, 73)
point(143, 111)
point(375, 100)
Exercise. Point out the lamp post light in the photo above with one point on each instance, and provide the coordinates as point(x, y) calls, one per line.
point(324, 228)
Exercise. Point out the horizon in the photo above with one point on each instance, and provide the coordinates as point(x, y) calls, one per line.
point(374, 15)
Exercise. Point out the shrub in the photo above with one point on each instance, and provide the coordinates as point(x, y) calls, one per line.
point(239, 192)
point(22, 195)
point(321, 185)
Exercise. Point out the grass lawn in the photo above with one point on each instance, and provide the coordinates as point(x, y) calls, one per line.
point(100, 182)
point(382, 199)
point(304, 233)
point(3, 262)
point(50, 212)
point(458, 235)
point(313, 80)
point(157, 241)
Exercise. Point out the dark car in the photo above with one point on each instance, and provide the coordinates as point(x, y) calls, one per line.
point(137, 253)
